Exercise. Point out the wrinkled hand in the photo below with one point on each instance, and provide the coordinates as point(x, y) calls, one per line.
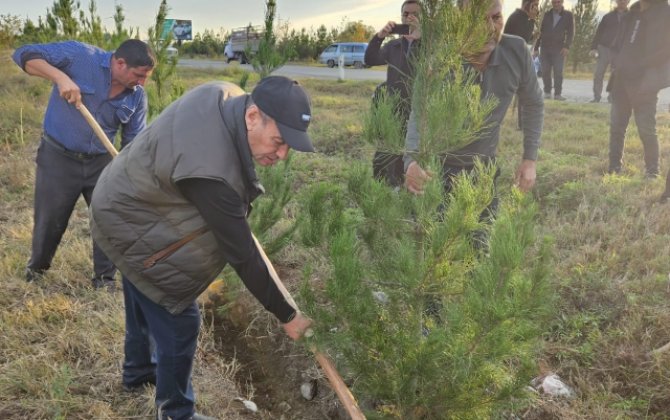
point(593, 53)
point(415, 178)
point(524, 177)
point(69, 91)
point(296, 327)
point(386, 30)
point(564, 52)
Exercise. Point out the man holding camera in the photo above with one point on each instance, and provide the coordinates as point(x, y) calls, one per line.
point(397, 54)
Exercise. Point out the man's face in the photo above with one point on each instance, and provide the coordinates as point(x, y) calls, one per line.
point(265, 140)
point(622, 4)
point(410, 9)
point(533, 8)
point(557, 5)
point(494, 18)
point(130, 76)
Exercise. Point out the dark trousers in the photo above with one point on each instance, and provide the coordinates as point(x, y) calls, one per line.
point(60, 179)
point(604, 60)
point(644, 109)
point(449, 174)
point(552, 61)
point(175, 338)
point(388, 167)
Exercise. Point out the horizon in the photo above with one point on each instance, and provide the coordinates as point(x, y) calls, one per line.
point(296, 14)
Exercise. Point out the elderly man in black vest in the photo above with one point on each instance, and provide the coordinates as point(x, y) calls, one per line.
point(170, 211)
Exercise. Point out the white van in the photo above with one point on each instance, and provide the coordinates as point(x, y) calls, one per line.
point(353, 53)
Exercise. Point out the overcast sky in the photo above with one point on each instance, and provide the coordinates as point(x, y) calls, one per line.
point(227, 14)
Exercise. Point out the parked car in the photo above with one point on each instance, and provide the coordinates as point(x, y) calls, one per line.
point(353, 53)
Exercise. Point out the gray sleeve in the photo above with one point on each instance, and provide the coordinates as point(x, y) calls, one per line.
point(532, 108)
point(411, 140)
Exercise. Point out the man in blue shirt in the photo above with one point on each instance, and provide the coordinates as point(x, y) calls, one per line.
point(70, 157)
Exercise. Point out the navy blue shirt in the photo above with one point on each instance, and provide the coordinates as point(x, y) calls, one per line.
point(89, 68)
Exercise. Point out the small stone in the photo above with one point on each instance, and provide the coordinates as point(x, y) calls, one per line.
point(309, 389)
point(381, 297)
point(284, 407)
point(249, 405)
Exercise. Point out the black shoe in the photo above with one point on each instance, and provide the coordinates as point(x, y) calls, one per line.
point(665, 198)
point(106, 283)
point(594, 101)
point(614, 170)
point(558, 97)
point(651, 175)
point(139, 385)
point(34, 275)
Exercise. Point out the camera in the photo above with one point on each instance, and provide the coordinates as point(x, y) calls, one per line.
point(400, 29)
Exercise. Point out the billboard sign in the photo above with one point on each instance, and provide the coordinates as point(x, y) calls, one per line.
point(181, 29)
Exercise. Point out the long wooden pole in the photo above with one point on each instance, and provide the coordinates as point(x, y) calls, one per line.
point(327, 365)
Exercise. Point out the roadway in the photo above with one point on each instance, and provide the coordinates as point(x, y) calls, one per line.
point(573, 90)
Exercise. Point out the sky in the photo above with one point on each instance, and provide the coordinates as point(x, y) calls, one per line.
point(224, 15)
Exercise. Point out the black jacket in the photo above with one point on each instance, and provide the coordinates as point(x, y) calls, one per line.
point(555, 38)
point(520, 24)
point(607, 30)
point(643, 47)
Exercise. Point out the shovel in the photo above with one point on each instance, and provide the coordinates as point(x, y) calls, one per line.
point(340, 388)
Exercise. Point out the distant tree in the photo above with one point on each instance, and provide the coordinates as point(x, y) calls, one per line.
point(91, 26)
point(356, 32)
point(64, 14)
point(10, 29)
point(586, 24)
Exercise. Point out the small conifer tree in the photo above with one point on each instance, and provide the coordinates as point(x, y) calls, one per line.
point(427, 323)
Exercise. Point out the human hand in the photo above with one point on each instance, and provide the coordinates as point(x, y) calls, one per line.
point(414, 28)
point(386, 30)
point(69, 91)
point(296, 327)
point(593, 53)
point(535, 53)
point(564, 52)
point(415, 178)
point(525, 175)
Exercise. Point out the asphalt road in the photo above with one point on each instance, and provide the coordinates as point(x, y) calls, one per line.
point(573, 90)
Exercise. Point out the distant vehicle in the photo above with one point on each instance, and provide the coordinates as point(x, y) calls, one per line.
point(353, 53)
point(172, 51)
point(243, 41)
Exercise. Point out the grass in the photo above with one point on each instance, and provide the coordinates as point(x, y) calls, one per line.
point(63, 342)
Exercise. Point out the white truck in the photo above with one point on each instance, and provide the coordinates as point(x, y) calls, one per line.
point(242, 42)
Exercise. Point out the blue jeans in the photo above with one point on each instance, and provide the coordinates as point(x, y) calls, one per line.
point(552, 60)
point(175, 338)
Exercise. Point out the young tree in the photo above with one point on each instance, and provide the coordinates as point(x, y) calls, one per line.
point(586, 24)
point(267, 59)
point(10, 29)
point(163, 89)
point(356, 32)
point(430, 324)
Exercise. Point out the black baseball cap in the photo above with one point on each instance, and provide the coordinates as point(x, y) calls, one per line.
point(287, 103)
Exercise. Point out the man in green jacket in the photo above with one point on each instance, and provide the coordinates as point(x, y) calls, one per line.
point(170, 212)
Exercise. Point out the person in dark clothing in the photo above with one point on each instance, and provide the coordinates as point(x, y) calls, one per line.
point(397, 54)
point(522, 21)
point(601, 47)
point(641, 70)
point(522, 24)
point(557, 31)
point(70, 157)
point(171, 210)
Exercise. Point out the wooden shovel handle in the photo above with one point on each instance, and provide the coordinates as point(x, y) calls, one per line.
point(327, 365)
point(98, 130)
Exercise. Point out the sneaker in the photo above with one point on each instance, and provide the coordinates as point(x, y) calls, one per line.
point(559, 98)
point(547, 95)
point(107, 283)
point(33, 275)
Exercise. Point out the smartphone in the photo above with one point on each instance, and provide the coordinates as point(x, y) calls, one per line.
point(400, 29)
